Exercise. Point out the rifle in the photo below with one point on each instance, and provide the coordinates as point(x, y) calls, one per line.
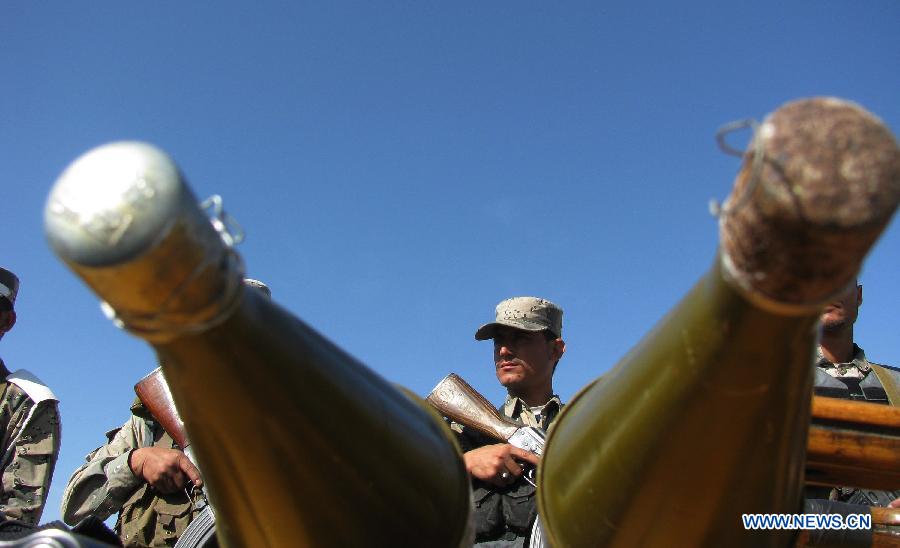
point(454, 398)
point(849, 443)
point(154, 393)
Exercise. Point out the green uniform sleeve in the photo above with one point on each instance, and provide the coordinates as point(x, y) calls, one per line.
point(31, 459)
point(105, 481)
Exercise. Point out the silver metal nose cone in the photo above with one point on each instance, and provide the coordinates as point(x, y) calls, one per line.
point(113, 203)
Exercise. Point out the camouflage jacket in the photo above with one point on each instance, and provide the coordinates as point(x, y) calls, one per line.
point(504, 516)
point(29, 418)
point(858, 379)
point(105, 485)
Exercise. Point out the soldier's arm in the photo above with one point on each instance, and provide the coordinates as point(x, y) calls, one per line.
point(105, 481)
point(27, 474)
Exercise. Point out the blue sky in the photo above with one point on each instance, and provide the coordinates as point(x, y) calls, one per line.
point(401, 167)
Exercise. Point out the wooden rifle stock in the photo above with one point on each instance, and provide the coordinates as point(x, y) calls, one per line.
point(886, 516)
point(853, 444)
point(153, 391)
point(454, 398)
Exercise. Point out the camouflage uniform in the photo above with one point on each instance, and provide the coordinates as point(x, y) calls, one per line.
point(504, 515)
point(29, 418)
point(105, 484)
point(861, 380)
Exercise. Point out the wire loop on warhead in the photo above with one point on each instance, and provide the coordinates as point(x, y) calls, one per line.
point(716, 208)
point(228, 228)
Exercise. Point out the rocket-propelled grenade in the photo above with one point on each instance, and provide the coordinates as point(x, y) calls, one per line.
point(300, 444)
point(707, 417)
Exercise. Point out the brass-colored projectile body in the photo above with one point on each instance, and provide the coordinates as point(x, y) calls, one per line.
point(706, 418)
point(299, 443)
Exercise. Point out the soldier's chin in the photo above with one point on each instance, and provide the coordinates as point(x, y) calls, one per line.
point(509, 380)
point(834, 326)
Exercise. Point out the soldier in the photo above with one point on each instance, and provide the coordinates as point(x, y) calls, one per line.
point(141, 474)
point(29, 419)
point(527, 347)
point(843, 371)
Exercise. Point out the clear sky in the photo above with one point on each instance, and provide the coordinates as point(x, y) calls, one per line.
point(400, 167)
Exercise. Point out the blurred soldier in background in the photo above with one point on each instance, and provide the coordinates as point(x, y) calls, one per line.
point(843, 371)
point(29, 419)
point(143, 475)
point(527, 347)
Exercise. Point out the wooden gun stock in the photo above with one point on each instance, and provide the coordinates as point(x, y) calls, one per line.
point(456, 399)
point(854, 444)
point(153, 391)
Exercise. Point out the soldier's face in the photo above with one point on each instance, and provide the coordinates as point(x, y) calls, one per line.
point(4, 323)
point(7, 317)
point(843, 311)
point(524, 359)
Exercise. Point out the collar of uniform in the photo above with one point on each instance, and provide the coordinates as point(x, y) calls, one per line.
point(859, 360)
point(516, 408)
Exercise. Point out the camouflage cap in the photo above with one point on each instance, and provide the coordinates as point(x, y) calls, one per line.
point(526, 313)
point(9, 285)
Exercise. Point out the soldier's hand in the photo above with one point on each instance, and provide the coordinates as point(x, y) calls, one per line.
point(894, 503)
point(499, 464)
point(166, 470)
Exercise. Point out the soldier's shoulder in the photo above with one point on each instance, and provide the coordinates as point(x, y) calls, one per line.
point(134, 426)
point(27, 383)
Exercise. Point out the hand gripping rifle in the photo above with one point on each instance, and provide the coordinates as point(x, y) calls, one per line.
point(457, 400)
point(154, 393)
